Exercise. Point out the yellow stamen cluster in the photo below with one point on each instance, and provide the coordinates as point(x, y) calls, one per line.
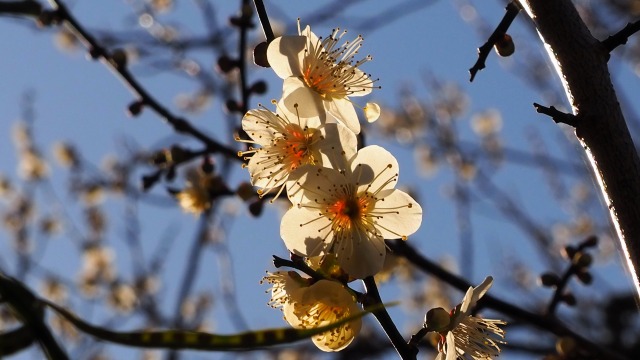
point(329, 68)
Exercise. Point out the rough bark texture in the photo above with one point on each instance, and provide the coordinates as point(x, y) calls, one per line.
point(581, 63)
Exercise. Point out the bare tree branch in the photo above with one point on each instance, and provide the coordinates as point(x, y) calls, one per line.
point(581, 63)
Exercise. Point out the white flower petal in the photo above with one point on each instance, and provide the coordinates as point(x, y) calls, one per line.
point(372, 111)
point(305, 232)
point(265, 177)
point(309, 104)
point(374, 169)
point(257, 123)
point(451, 347)
point(285, 55)
point(399, 214)
point(342, 109)
point(359, 254)
point(363, 86)
point(339, 145)
point(474, 294)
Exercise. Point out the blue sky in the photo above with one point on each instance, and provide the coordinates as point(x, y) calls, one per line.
point(81, 101)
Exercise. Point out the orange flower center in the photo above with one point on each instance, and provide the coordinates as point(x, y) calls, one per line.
point(348, 211)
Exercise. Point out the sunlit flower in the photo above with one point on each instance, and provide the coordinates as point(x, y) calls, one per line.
point(196, 195)
point(285, 286)
point(122, 297)
point(349, 212)
point(5, 186)
point(32, 166)
point(97, 267)
point(289, 141)
point(307, 305)
point(322, 72)
point(66, 154)
point(463, 335)
point(486, 122)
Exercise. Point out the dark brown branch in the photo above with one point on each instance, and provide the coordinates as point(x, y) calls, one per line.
point(264, 20)
point(372, 298)
point(558, 116)
point(27, 7)
point(118, 66)
point(621, 37)
point(602, 129)
point(498, 33)
point(15, 340)
point(28, 309)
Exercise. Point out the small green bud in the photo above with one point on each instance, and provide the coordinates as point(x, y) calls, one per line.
point(437, 319)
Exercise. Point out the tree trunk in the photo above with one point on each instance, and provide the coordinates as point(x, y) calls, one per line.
point(581, 62)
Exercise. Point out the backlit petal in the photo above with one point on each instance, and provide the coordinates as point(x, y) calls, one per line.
point(285, 55)
point(342, 109)
point(398, 214)
point(305, 232)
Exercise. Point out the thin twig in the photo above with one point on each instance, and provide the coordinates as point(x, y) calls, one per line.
point(558, 116)
point(484, 50)
point(373, 298)
point(97, 51)
point(264, 20)
point(26, 7)
point(621, 37)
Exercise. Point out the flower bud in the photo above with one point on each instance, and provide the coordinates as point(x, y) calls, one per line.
point(259, 87)
point(582, 259)
point(135, 108)
point(569, 299)
point(437, 319)
point(246, 192)
point(119, 58)
point(549, 279)
point(260, 55)
point(505, 46)
point(255, 208)
point(226, 64)
point(585, 277)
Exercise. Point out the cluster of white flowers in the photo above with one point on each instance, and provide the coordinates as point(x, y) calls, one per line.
point(344, 201)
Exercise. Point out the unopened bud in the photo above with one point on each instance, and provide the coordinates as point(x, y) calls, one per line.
point(207, 165)
point(135, 108)
point(569, 299)
point(591, 241)
point(585, 277)
point(232, 106)
point(549, 279)
point(505, 46)
point(582, 259)
point(255, 208)
point(245, 191)
point(226, 64)
point(437, 319)
point(259, 87)
point(569, 252)
point(260, 55)
point(119, 58)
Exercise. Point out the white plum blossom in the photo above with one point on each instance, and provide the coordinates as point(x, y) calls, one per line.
point(289, 141)
point(307, 304)
point(322, 73)
point(349, 211)
point(463, 335)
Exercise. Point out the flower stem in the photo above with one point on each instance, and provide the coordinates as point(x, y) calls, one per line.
point(373, 298)
point(264, 20)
